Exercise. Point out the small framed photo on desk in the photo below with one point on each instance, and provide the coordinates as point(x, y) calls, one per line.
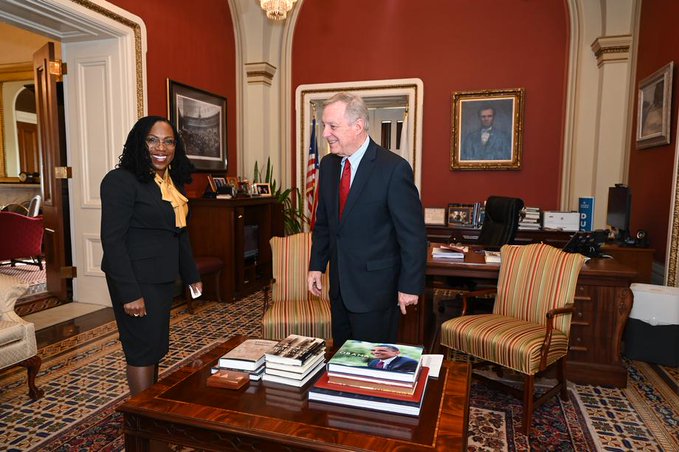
point(462, 215)
point(435, 216)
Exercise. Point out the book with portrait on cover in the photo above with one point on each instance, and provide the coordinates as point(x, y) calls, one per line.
point(377, 360)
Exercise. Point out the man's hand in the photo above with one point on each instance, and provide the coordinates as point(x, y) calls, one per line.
point(405, 299)
point(314, 282)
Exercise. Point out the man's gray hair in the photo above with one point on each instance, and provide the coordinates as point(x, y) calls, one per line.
point(356, 108)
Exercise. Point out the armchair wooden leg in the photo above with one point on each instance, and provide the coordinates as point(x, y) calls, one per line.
point(528, 388)
point(561, 377)
point(32, 365)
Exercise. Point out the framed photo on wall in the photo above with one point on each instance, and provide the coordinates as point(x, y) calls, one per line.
point(654, 108)
point(200, 118)
point(487, 131)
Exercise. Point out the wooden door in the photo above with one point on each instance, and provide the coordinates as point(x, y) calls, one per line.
point(49, 106)
point(29, 153)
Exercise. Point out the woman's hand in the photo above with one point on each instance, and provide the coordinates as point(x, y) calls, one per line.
point(135, 308)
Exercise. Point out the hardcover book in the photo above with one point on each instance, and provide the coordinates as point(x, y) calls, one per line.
point(296, 375)
point(295, 350)
point(586, 208)
point(293, 381)
point(308, 364)
point(249, 355)
point(376, 360)
point(324, 391)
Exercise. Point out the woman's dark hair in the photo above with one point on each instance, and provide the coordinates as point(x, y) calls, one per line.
point(135, 157)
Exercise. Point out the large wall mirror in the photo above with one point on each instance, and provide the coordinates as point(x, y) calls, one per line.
point(395, 117)
point(18, 123)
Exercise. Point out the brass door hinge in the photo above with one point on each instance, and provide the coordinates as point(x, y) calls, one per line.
point(69, 272)
point(58, 68)
point(63, 172)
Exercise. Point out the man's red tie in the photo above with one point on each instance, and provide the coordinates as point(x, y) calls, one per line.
point(345, 185)
point(380, 365)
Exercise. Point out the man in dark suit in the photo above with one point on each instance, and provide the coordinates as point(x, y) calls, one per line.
point(369, 226)
point(387, 357)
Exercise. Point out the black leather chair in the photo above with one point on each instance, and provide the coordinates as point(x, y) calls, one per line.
point(501, 221)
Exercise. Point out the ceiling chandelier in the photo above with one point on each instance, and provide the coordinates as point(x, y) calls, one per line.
point(277, 9)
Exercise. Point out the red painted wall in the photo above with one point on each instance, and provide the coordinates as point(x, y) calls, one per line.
point(192, 44)
point(650, 173)
point(452, 46)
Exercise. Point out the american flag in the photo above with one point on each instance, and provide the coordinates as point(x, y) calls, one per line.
point(312, 176)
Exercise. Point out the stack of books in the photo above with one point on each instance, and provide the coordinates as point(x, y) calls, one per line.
point(295, 360)
point(382, 377)
point(249, 357)
point(530, 219)
point(448, 252)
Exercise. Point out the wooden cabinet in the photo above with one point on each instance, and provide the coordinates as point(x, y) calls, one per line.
point(237, 231)
point(640, 259)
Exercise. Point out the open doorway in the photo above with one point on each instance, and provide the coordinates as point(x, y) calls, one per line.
point(104, 92)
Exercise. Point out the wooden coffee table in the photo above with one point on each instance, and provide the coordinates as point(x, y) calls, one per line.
point(266, 416)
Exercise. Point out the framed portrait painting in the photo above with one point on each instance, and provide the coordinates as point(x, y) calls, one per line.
point(654, 108)
point(200, 118)
point(487, 130)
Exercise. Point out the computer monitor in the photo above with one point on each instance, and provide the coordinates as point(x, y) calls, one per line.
point(619, 208)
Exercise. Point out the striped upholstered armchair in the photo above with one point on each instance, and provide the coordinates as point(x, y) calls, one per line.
point(529, 327)
point(293, 309)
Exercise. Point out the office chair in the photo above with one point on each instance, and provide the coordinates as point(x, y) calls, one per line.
point(501, 221)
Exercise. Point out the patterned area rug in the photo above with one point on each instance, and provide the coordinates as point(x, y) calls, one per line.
point(84, 381)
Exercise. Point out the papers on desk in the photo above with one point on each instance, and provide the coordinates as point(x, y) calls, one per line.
point(433, 362)
point(446, 253)
point(492, 257)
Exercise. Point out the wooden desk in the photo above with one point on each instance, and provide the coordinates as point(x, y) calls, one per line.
point(640, 259)
point(267, 416)
point(603, 302)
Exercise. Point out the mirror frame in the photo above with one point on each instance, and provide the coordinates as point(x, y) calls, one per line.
point(10, 73)
point(411, 88)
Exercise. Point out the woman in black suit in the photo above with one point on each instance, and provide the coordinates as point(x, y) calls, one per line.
point(146, 244)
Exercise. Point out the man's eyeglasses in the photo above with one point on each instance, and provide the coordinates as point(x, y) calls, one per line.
point(154, 142)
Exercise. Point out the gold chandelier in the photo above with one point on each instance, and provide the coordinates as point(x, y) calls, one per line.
point(277, 9)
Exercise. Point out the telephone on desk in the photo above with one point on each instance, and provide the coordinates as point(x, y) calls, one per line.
point(587, 243)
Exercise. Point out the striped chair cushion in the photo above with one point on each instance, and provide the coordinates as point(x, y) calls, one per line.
point(294, 309)
point(534, 279)
point(506, 341)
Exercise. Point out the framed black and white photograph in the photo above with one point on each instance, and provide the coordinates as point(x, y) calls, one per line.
point(654, 108)
point(200, 118)
point(487, 130)
point(463, 215)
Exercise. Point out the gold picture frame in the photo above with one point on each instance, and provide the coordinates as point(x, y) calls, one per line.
point(654, 105)
point(487, 132)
